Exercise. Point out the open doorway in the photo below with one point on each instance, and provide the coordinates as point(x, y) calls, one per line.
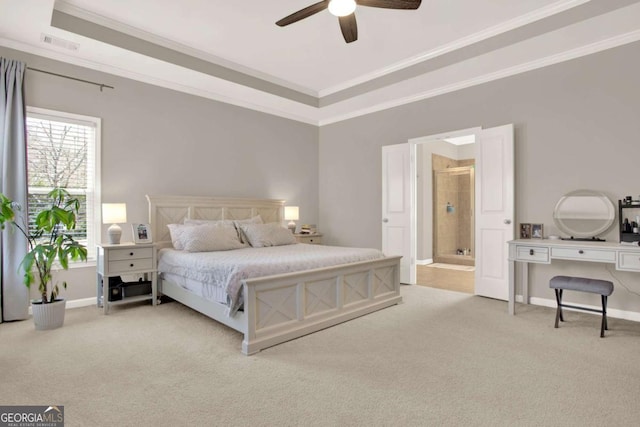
point(493, 210)
point(445, 204)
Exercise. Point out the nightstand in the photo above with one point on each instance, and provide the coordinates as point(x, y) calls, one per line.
point(125, 259)
point(312, 239)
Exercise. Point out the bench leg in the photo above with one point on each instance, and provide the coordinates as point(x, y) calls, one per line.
point(559, 316)
point(604, 316)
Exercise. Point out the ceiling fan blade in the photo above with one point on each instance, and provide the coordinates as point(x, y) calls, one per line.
point(349, 27)
point(391, 4)
point(303, 13)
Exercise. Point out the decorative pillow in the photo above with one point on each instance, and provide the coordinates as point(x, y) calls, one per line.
point(254, 220)
point(177, 235)
point(212, 237)
point(272, 234)
point(205, 237)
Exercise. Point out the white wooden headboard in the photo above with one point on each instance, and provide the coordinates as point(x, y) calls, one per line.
point(165, 210)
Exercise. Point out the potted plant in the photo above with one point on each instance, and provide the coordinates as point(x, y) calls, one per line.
point(49, 245)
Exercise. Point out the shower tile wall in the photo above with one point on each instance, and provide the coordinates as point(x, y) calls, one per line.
point(453, 230)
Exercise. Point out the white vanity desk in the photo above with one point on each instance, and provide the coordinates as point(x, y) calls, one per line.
point(543, 251)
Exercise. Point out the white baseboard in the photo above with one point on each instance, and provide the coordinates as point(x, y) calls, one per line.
point(611, 312)
point(424, 261)
point(84, 302)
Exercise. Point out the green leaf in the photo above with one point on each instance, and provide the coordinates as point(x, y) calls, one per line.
point(7, 213)
point(48, 242)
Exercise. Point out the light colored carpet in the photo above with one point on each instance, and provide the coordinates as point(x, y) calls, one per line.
point(439, 359)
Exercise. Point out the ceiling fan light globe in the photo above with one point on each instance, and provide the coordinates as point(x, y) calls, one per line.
point(342, 7)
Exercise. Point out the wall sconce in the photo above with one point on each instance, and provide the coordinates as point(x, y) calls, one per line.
point(291, 214)
point(114, 213)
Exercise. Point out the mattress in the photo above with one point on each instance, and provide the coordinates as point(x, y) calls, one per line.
point(217, 276)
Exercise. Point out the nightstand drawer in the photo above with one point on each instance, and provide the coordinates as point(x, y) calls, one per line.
point(311, 239)
point(629, 261)
point(594, 255)
point(130, 265)
point(131, 253)
point(532, 254)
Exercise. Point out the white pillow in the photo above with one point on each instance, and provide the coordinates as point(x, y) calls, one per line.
point(177, 235)
point(272, 234)
point(206, 237)
point(254, 220)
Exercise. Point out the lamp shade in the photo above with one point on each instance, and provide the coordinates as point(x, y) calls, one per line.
point(114, 213)
point(291, 213)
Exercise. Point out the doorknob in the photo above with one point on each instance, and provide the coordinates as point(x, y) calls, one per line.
point(385, 219)
point(507, 221)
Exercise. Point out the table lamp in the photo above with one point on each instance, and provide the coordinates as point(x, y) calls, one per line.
point(291, 214)
point(114, 213)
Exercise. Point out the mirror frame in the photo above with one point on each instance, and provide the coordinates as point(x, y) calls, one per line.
point(606, 225)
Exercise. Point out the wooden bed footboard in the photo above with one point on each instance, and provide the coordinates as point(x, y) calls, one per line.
point(287, 306)
point(282, 307)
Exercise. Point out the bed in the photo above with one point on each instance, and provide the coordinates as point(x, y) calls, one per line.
point(276, 307)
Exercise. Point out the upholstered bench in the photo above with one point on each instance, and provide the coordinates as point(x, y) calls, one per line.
point(602, 287)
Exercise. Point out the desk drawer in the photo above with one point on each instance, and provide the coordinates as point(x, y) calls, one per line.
point(130, 265)
point(532, 254)
point(131, 253)
point(629, 261)
point(594, 255)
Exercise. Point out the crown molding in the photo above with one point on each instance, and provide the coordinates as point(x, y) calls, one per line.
point(145, 78)
point(589, 49)
point(221, 90)
point(504, 27)
point(64, 7)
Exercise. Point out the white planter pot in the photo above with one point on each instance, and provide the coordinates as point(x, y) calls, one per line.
point(48, 316)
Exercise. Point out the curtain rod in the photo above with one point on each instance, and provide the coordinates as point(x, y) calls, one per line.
point(101, 85)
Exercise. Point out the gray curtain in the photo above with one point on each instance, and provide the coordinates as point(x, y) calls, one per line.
point(14, 303)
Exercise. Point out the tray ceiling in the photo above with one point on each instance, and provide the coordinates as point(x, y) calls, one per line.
point(233, 52)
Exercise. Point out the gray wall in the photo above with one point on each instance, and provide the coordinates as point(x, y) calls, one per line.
point(159, 141)
point(576, 126)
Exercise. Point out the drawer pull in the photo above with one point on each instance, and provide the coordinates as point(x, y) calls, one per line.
point(131, 253)
point(131, 265)
point(530, 251)
point(580, 251)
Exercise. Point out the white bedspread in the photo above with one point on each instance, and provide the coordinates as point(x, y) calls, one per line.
point(227, 269)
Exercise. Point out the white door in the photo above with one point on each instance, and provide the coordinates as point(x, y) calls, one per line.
point(396, 206)
point(494, 210)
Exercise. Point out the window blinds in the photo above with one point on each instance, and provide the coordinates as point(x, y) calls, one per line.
point(61, 152)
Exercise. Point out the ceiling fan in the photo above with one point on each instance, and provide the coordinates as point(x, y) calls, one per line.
point(344, 10)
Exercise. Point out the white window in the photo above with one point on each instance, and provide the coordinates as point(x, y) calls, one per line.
point(63, 150)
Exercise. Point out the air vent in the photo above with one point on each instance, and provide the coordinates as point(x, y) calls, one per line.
point(58, 42)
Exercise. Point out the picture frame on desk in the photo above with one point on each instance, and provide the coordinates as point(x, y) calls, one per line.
point(141, 233)
point(525, 231)
point(537, 231)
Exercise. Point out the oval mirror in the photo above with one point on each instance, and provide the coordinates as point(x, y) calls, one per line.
point(584, 213)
